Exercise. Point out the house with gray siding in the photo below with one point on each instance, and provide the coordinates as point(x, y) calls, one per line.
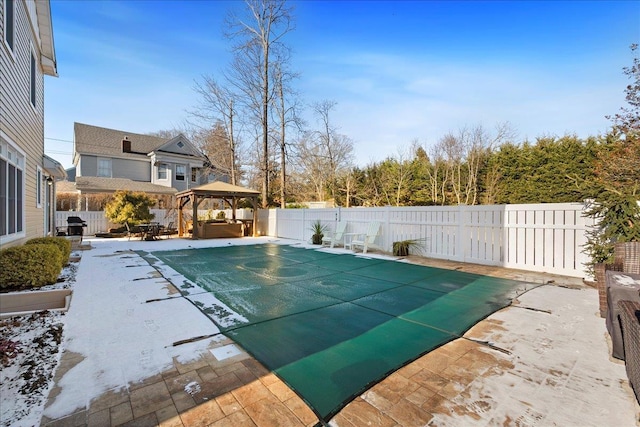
point(27, 177)
point(107, 160)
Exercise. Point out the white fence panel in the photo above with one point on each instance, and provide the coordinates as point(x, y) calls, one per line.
point(96, 221)
point(547, 237)
point(540, 237)
point(165, 216)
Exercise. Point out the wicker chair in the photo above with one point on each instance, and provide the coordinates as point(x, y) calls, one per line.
point(626, 258)
point(630, 319)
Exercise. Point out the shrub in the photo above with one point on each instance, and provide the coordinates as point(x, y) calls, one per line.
point(31, 265)
point(61, 243)
point(129, 207)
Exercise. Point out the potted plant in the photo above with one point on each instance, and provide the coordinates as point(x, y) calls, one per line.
point(318, 230)
point(402, 247)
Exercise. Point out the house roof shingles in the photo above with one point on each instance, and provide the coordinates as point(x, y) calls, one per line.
point(108, 142)
point(94, 184)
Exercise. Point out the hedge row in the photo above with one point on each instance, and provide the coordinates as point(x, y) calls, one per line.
point(34, 264)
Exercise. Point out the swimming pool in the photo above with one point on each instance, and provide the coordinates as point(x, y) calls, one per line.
point(331, 325)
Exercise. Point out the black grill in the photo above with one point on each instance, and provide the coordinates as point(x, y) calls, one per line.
point(75, 226)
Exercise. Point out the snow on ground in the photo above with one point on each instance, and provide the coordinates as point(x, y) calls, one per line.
point(560, 372)
point(124, 318)
point(29, 352)
point(119, 337)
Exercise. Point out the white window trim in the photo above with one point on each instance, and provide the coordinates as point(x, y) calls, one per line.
point(20, 234)
point(4, 34)
point(196, 175)
point(166, 170)
point(39, 187)
point(184, 175)
point(110, 167)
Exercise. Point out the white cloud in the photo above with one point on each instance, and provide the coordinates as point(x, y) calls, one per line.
point(393, 100)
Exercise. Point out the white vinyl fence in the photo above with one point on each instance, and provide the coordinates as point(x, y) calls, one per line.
point(97, 221)
point(535, 237)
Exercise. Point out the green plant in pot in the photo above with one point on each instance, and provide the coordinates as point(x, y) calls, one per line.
point(403, 247)
point(617, 220)
point(318, 230)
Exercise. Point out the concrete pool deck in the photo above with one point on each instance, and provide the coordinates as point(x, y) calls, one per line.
point(549, 363)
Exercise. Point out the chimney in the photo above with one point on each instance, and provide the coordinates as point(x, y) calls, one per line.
point(126, 145)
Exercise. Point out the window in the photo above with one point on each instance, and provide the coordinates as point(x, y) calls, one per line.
point(162, 171)
point(9, 31)
point(33, 79)
point(12, 164)
point(181, 171)
point(104, 167)
point(194, 174)
point(38, 186)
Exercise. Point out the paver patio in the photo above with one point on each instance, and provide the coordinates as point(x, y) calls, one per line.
point(549, 366)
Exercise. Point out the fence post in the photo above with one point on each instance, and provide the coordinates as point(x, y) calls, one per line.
point(304, 224)
point(387, 229)
point(275, 232)
point(462, 235)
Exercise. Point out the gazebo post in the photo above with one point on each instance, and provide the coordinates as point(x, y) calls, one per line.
point(179, 207)
point(194, 235)
point(233, 208)
point(254, 201)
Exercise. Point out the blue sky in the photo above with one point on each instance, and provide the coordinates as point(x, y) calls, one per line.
point(398, 71)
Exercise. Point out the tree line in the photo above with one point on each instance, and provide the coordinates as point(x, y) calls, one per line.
point(249, 124)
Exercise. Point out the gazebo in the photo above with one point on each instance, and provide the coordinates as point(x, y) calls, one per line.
point(215, 190)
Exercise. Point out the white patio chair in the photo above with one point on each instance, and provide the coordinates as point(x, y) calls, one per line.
point(364, 240)
point(338, 235)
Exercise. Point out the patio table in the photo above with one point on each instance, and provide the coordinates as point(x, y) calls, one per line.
point(348, 238)
point(149, 231)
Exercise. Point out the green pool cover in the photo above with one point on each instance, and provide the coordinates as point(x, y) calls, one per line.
point(331, 325)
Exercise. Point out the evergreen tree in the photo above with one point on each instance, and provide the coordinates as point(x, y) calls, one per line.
point(616, 186)
point(129, 207)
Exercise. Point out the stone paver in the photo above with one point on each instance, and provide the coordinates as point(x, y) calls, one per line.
point(433, 390)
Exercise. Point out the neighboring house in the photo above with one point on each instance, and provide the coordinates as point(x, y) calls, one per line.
point(27, 176)
point(108, 160)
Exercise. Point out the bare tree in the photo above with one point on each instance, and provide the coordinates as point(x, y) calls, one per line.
point(335, 151)
point(220, 134)
point(215, 143)
point(462, 157)
point(492, 189)
point(434, 174)
point(348, 181)
point(258, 36)
point(394, 178)
point(311, 161)
point(287, 111)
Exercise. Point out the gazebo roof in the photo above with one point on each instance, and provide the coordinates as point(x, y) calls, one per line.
point(218, 189)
